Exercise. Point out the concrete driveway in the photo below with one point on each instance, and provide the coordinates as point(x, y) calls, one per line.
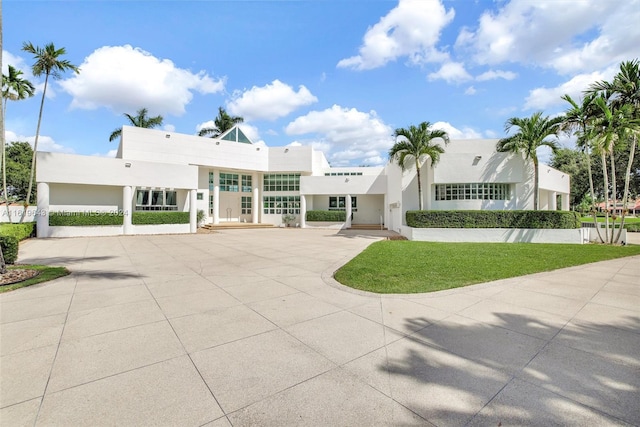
point(246, 327)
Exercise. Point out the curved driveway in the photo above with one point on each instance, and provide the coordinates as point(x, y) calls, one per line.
point(246, 327)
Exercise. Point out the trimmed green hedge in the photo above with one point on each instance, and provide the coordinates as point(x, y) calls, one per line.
point(160, 217)
point(328, 216)
point(20, 231)
point(81, 219)
point(9, 246)
point(634, 228)
point(493, 219)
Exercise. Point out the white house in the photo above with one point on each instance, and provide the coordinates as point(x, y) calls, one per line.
point(233, 180)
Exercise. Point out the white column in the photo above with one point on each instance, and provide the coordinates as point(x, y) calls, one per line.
point(42, 214)
point(564, 200)
point(347, 202)
point(255, 202)
point(303, 211)
point(127, 195)
point(216, 197)
point(553, 204)
point(193, 211)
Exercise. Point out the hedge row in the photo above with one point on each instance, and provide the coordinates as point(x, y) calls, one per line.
point(9, 246)
point(84, 219)
point(20, 231)
point(327, 216)
point(145, 218)
point(493, 219)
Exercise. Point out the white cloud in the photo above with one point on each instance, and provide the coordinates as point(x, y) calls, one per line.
point(110, 153)
point(541, 98)
point(346, 136)
point(470, 91)
point(455, 133)
point(125, 79)
point(412, 29)
point(496, 74)
point(45, 143)
point(569, 37)
point(451, 72)
point(269, 102)
point(169, 128)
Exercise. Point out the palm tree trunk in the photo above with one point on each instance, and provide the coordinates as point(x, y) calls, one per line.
point(35, 150)
point(625, 195)
point(605, 177)
point(535, 185)
point(3, 264)
point(593, 196)
point(614, 190)
point(4, 166)
point(419, 185)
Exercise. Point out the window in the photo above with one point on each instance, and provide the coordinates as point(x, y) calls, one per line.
point(339, 203)
point(229, 182)
point(343, 174)
point(210, 204)
point(246, 183)
point(156, 200)
point(281, 182)
point(245, 206)
point(200, 196)
point(473, 191)
point(281, 205)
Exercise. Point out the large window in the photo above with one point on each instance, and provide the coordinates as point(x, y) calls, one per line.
point(473, 191)
point(229, 182)
point(282, 182)
point(339, 203)
point(246, 183)
point(156, 200)
point(281, 205)
point(211, 184)
point(246, 205)
point(342, 173)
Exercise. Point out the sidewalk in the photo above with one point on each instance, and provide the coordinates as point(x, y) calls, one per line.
point(246, 327)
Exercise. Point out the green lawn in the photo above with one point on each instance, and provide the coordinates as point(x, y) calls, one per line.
point(46, 273)
point(413, 267)
point(627, 220)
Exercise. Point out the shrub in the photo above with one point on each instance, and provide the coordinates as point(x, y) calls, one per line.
point(493, 219)
point(328, 216)
point(161, 217)
point(80, 219)
point(20, 231)
point(634, 228)
point(9, 246)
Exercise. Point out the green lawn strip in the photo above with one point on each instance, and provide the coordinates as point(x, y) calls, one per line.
point(46, 273)
point(627, 220)
point(412, 267)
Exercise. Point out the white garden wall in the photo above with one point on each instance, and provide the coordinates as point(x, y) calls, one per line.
point(496, 235)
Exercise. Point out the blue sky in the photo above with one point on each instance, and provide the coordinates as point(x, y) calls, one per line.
point(340, 75)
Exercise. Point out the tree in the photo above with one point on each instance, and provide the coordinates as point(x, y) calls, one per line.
point(532, 134)
point(18, 168)
point(623, 94)
point(48, 62)
point(141, 120)
point(223, 122)
point(418, 142)
point(14, 88)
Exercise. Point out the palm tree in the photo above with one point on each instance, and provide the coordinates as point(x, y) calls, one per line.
point(418, 142)
point(142, 120)
point(223, 122)
point(532, 134)
point(14, 88)
point(48, 62)
point(624, 90)
point(578, 120)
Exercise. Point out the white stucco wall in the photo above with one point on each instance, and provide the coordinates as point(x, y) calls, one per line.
point(290, 159)
point(85, 198)
point(341, 185)
point(496, 235)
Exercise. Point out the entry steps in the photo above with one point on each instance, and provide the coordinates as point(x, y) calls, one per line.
point(366, 227)
point(235, 226)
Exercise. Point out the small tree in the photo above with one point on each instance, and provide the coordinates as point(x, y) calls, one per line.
point(141, 120)
point(417, 142)
point(223, 122)
point(532, 134)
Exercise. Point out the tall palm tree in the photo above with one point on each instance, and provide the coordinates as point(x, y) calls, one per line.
point(14, 88)
point(141, 120)
point(48, 62)
point(533, 133)
point(624, 90)
point(223, 122)
point(417, 143)
point(578, 120)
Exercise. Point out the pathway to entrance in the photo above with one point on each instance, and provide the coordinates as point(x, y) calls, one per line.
point(247, 327)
